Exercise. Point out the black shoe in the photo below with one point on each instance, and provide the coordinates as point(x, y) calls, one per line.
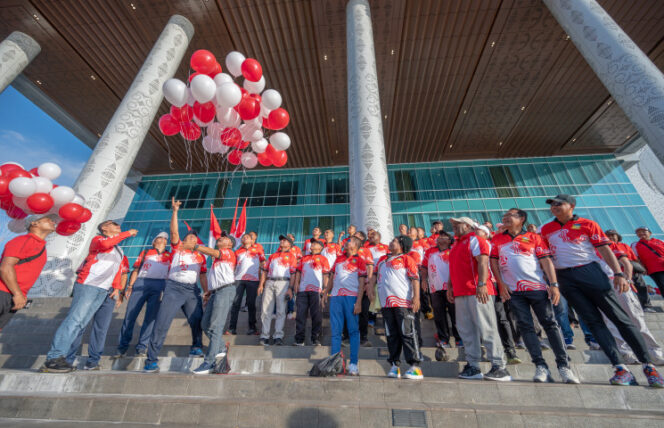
point(264, 342)
point(316, 342)
point(278, 342)
point(57, 365)
point(365, 343)
point(252, 332)
point(142, 353)
point(441, 354)
point(499, 374)
point(470, 372)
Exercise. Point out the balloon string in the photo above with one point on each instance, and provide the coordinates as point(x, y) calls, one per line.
point(168, 150)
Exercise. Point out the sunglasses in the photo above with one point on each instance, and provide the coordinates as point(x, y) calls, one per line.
point(556, 204)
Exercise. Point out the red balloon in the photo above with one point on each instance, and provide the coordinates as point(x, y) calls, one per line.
point(67, 227)
point(189, 131)
point(204, 112)
point(256, 98)
point(16, 213)
point(248, 108)
point(266, 123)
point(278, 119)
point(18, 173)
point(271, 151)
point(182, 114)
point(231, 137)
point(40, 203)
point(203, 61)
point(34, 171)
point(70, 211)
point(6, 203)
point(264, 159)
point(252, 70)
point(280, 158)
point(85, 216)
point(4, 187)
point(168, 125)
point(243, 145)
point(8, 167)
point(235, 157)
point(216, 70)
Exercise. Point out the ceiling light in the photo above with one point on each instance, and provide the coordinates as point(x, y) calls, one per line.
point(500, 144)
point(336, 152)
point(465, 111)
point(39, 82)
point(573, 139)
point(608, 103)
point(566, 37)
point(92, 76)
point(332, 119)
point(36, 17)
point(385, 116)
point(523, 108)
point(132, 6)
point(392, 53)
point(493, 44)
point(98, 134)
point(325, 57)
point(627, 138)
point(450, 146)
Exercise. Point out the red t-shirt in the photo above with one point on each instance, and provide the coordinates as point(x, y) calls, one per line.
point(626, 250)
point(22, 247)
point(652, 262)
point(463, 265)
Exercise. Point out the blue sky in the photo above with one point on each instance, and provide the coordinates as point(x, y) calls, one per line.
point(30, 137)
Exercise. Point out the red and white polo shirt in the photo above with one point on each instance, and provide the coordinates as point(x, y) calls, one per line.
point(651, 261)
point(347, 273)
point(248, 263)
point(464, 273)
point(281, 264)
point(573, 244)
point(518, 260)
point(378, 251)
point(417, 252)
point(307, 245)
point(186, 265)
point(437, 264)
point(312, 268)
point(365, 255)
point(153, 264)
point(103, 262)
point(331, 251)
point(395, 274)
point(297, 252)
point(222, 271)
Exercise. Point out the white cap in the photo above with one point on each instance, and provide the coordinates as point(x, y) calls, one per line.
point(484, 229)
point(161, 235)
point(466, 220)
point(36, 217)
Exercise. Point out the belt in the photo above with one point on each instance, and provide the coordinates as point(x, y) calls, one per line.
point(278, 279)
point(221, 288)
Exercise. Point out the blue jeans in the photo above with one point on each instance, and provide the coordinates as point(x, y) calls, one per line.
point(214, 320)
point(562, 316)
point(87, 299)
point(145, 292)
point(100, 323)
point(177, 295)
point(341, 309)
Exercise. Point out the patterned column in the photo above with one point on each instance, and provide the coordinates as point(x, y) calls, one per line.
point(103, 176)
point(16, 52)
point(633, 80)
point(369, 188)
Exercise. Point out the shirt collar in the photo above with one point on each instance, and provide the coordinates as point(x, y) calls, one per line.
point(35, 237)
point(574, 218)
point(508, 233)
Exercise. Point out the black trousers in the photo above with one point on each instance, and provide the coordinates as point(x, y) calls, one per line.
point(589, 289)
point(251, 288)
point(308, 303)
point(504, 326)
point(658, 277)
point(425, 301)
point(641, 290)
point(364, 318)
point(6, 313)
point(401, 335)
point(444, 316)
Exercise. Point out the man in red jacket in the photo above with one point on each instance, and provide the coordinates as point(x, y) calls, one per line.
point(21, 263)
point(651, 253)
point(95, 278)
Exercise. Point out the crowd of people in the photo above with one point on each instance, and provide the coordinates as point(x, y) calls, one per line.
point(499, 289)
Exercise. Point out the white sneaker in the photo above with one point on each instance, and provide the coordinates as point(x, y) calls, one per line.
point(220, 355)
point(353, 370)
point(657, 356)
point(629, 358)
point(568, 376)
point(542, 375)
point(395, 372)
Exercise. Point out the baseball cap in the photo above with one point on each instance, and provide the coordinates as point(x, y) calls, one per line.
point(286, 238)
point(161, 235)
point(484, 229)
point(466, 220)
point(643, 228)
point(563, 197)
point(36, 217)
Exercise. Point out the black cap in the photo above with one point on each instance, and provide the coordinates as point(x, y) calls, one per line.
point(643, 228)
point(314, 240)
point(224, 234)
point(613, 232)
point(405, 242)
point(286, 238)
point(563, 197)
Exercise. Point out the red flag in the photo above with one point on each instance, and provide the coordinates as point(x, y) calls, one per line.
point(189, 230)
point(242, 222)
point(234, 217)
point(215, 230)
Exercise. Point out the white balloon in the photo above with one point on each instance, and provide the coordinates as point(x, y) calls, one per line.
point(208, 143)
point(229, 95)
point(229, 118)
point(201, 123)
point(42, 184)
point(49, 170)
point(255, 136)
point(221, 148)
point(254, 87)
point(271, 99)
point(62, 195)
point(222, 78)
point(22, 187)
point(175, 92)
point(280, 141)
point(214, 130)
point(203, 88)
point(17, 225)
point(265, 112)
point(22, 203)
point(190, 98)
point(78, 199)
point(249, 160)
point(234, 62)
point(259, 146)
point(247, 130)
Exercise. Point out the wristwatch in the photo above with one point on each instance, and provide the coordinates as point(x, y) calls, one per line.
point(196, 247)
point(619, 274)
point(481, 284)
point(553, 284)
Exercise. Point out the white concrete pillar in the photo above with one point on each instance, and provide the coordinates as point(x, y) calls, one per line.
point(632, 79)
point(369, 188)
point(16, 52)
point(104, 174)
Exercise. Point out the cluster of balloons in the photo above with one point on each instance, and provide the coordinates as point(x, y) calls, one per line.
point(235, 121)
point(32, 192)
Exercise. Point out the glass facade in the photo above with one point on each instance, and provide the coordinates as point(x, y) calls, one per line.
point(297, 200)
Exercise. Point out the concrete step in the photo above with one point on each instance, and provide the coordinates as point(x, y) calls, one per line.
point(291, 401)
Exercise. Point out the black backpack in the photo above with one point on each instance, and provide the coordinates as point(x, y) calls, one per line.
point(331, 366)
